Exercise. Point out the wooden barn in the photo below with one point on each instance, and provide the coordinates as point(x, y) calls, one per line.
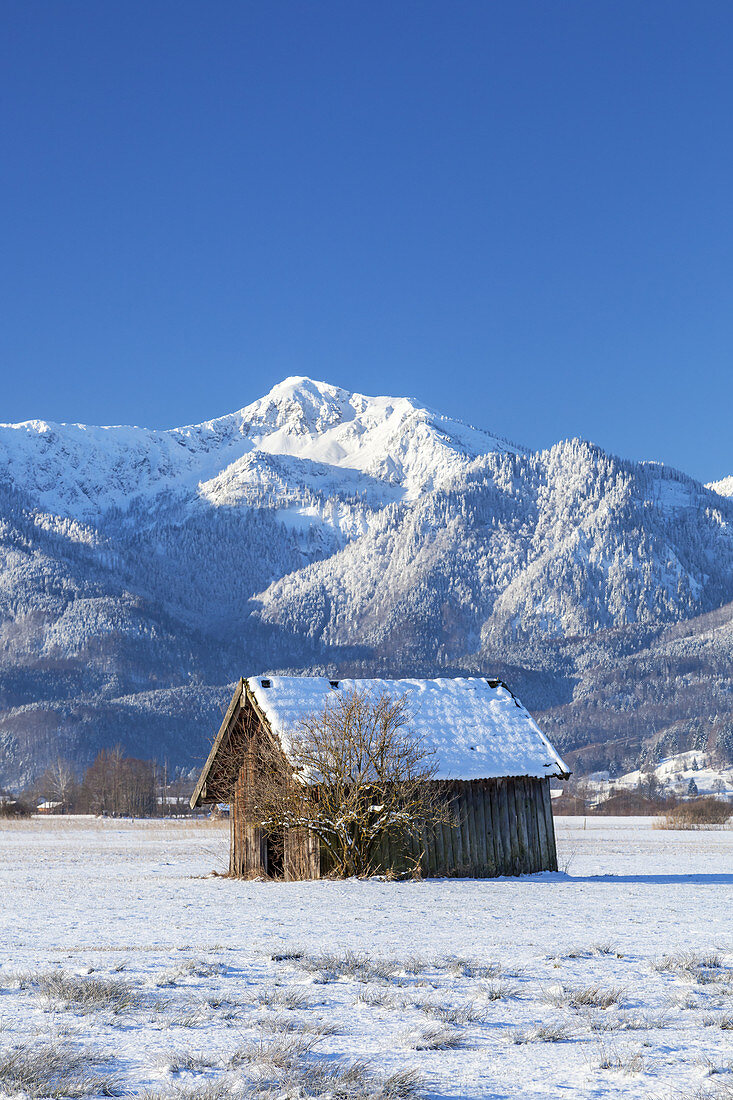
point(494, 769)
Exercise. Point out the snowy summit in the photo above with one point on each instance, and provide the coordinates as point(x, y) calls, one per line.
point(324, 431)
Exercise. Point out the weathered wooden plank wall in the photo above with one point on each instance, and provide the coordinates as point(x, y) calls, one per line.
point(502, 827)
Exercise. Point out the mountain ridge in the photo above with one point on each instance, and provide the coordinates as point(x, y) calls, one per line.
point(298, 418)
point(318, 530)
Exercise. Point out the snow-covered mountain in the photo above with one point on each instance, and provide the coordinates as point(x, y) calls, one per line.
point(334, 439)
point(141, 571)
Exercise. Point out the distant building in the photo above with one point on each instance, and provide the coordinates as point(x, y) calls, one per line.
point(495, 767)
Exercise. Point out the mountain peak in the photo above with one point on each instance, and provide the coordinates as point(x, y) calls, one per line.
point(78, 471)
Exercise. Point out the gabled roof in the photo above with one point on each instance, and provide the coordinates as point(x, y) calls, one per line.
point(477, 728)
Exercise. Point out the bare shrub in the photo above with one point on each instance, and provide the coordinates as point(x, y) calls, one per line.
point(696, 814)
point(354, 774)
point(13, 807)
point(54, 1070)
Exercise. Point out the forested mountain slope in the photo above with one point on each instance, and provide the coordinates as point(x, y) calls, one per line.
point(141, 572)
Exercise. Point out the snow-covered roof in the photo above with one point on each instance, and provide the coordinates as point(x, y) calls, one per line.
point(477, 728)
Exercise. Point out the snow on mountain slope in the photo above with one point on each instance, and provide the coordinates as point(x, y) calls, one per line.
point(567, 541)
point(724, 486)
point(80, 471)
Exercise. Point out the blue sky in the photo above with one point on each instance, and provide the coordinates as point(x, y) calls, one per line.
point(518, 212)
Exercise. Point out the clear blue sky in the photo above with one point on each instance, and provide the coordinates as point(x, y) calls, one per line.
point(518, 212)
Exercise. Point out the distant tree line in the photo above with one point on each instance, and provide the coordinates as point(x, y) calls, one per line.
point(114, 784)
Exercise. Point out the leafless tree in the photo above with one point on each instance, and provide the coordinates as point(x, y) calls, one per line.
point(59, 783)
point(117, 784)
point(354, 772)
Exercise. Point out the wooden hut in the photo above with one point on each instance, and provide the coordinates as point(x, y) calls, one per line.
point(494, 768)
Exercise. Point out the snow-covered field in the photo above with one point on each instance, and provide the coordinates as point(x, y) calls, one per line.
point(125, 965)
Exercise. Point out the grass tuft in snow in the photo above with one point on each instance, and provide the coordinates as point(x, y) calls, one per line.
point(290, 999)
point(55, 1070)
point(622, 1061)
point(725, 1021)
point(543, 1033)
point(359, 968)
point(203, 1090)
point(467, 968)
point(589, 996)
point(186, 1062)
point(594, 950)
point(82, 993)
point(293, 1025)
point(498, 991)
point(689, 963)
point(457, 1015)
point(435, 1038)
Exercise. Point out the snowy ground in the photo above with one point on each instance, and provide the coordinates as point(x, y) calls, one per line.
point(126, 966)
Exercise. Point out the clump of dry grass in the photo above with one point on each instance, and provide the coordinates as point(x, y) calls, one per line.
point(689, 962)
point(286, 1067)
point(203, 1090)
point(81, 992)
point(497, 991)
point(55, 1070)
point(625, 1061)
point(186, 1062)
point(435, 1038)
point(467, 968)
point(376, 998)
point(291, 1024)
point(543, 1033)
point(595, 949)
point(457, 1015)
point(290, 999)
point(724, 1021)
point(590, 996)
point(628, 1021)
point(358, 967)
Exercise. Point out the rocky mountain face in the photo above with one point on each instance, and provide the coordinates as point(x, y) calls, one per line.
point(141, 572)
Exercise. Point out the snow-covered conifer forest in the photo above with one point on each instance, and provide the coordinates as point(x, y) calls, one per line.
point(143, 571)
